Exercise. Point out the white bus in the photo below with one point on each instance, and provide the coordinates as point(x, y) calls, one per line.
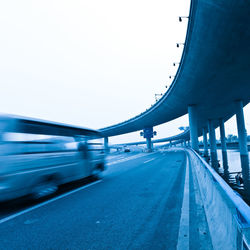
point(38, 156)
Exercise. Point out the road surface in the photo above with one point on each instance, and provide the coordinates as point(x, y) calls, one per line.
point(144, 201)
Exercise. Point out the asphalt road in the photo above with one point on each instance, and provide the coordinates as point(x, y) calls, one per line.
point(139, 204)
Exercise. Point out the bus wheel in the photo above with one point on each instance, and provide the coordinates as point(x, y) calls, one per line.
point(44, 189)
point(97, 174)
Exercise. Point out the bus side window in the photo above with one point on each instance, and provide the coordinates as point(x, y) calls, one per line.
point(83, 148)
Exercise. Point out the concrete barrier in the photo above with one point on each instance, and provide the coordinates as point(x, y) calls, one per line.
point(228, 216)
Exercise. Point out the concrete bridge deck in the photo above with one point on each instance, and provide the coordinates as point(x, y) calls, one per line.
point(144, 201)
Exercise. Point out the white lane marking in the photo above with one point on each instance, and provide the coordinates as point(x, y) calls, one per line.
point(46, 202)
point(125, 159)
point(183, 237)
point(149, 160)
point(115, 157)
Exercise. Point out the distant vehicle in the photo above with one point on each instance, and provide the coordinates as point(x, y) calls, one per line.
point(37, 156)
point(126, 150)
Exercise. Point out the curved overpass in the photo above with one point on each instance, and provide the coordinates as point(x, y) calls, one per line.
point(213, 72)
point(180, 137)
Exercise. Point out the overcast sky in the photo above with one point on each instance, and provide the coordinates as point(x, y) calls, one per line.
point(90, 63)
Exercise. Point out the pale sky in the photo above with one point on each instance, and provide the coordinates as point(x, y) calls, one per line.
point(90, 63)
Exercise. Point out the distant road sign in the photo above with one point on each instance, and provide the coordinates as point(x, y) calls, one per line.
point(148, 133)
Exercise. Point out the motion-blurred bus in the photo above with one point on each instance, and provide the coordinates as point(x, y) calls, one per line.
point(36, 156)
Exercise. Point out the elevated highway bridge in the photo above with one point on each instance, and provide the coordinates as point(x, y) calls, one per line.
point(213, 72)
point(212, 81)
point(160, 200)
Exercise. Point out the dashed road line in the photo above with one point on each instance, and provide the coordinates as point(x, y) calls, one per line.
point(149, 160)
point(125, 159)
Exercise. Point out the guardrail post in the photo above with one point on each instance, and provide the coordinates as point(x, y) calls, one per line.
point(242, 135)
point(213, 148)
point(224, 149)
point(192, 114)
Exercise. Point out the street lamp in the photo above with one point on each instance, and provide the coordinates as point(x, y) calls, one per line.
point(175, 63)
point(178, 44)
point(180, 18)
point(156, 97)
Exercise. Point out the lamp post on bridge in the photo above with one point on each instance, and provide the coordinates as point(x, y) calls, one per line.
point(178, 44)
point(158, 95)
point(181, 17)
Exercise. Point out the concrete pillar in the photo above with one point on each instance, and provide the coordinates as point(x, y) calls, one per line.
point(204, 131)
point(106, 144)
point(242, 135)
point(149, 144)
point(193, 127)
point(148, 134)
point(224, 149)
point(213, 148)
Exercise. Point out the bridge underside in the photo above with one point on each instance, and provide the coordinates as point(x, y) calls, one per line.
point(214, 70)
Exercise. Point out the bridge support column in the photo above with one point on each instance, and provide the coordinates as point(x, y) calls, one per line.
point(148, 134)
point(193, 127)
point(204, 131)
point(149, 144)
point(243, 146)
point(106, 144)
point(224, 149)
point(213, 148)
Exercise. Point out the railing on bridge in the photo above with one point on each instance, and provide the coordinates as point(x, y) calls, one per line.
point(227, 214)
